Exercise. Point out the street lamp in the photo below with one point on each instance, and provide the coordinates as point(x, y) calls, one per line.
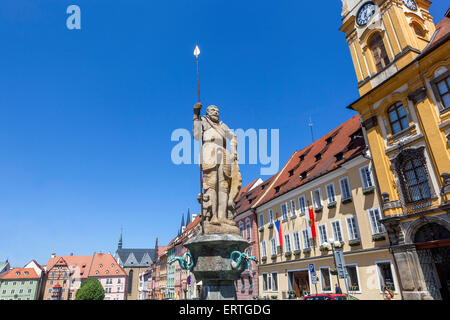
point(335, 244)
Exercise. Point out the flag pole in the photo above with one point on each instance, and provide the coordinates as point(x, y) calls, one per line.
point(196, 54)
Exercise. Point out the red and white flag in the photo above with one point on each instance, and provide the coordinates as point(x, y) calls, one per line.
point(311, 224)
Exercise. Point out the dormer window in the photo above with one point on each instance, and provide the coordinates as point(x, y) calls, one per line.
point(277, 189)
point(291, 173)
point(318, 156)
point(329, 140)
point(302, 157)
point(339, 156)
point(304, 175)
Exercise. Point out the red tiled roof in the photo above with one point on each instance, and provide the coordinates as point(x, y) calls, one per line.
point(347, 139)
point(82, 262)
point(104, 265)
point(441, 34)
point(20, 273)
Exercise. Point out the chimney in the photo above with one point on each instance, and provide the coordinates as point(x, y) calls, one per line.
point(53, 255)
point(71, 254)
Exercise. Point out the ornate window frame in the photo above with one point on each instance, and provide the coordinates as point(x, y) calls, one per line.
point(442, 108)
point(397, 164)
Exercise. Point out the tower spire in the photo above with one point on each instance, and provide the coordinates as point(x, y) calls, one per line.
point(120, 240)
point(188, 220)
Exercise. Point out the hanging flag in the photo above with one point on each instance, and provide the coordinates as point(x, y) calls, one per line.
point(311, 224)
point(280, 236)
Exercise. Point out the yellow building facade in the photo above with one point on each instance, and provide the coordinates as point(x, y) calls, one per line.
point(402, 64)
point(333, 176)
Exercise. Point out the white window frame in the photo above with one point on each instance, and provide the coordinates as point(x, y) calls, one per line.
point(270, 216)
point(287, 244)
point(322, 282)
point(357, 275)
point(302, 209)
point(293, 208)
point(342, 189)
point(261, 221)
point(363, 174)
point(299, 246)
point(394, 276)
point(379, 224)
point(314, 198)
point(306, 241)
point(272, 241)
point(264, 249)
point(278, 281)
point(320, 233)
point(330, 201)
point(340, 230)
point(350, 231)
point(269, 282)
point(248, 228)
point(241, 228)
point(284, 213)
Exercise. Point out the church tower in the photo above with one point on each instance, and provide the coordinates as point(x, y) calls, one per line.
point(384, 36)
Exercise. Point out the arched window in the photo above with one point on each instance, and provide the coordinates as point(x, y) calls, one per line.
point(416, 181)
point(379, 53)
point(130, 281)
point(398, 118)
point(241, 228)
point(418, 30)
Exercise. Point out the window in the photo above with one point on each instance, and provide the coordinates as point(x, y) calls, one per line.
point(29, 290)
point(443, 88)
point(379, 53)
point(130, 281)
point(261, 221)
point(353, 280)
point(241, 228)
point(12, 291)
point(242, 285)
point(375, 224)
point(418, 30)
point(331, 194)
point(263, 248)
point(352, 228)
point(302, 205)
point(398, 118)
point(14, 283)
point(337, 233)
point(317, 197)
point(248, 228)
point(323, 237)
point(118, 280)
point(274, 281)
point(366, 177)
point(296, 241)
point(250, 263)
point(306, 241)
point(250, 284)
point(51, 281)
point(270, 215)
point(385, 275)
point(292, 208)
point(345, 189)
point(416, 180)
point(284, 211)
point(325, 279)
point(273, 246)
point(287, 245)
point(266, 282)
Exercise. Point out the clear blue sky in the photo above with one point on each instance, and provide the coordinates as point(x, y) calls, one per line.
point(86, 116)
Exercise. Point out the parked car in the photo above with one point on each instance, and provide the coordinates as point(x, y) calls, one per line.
point(331, 296)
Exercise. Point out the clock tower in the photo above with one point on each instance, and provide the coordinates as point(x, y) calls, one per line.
point(384, 36)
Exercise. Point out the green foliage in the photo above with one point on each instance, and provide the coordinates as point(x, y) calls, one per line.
point(91, 289)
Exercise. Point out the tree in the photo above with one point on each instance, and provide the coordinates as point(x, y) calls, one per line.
point(91, 289)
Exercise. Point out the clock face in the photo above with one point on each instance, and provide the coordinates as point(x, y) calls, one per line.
point(411, 4)
point(364, 14)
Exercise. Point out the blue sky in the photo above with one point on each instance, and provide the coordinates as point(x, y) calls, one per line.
point(86, 115)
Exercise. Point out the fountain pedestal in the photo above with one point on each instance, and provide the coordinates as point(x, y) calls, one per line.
point(211, 253)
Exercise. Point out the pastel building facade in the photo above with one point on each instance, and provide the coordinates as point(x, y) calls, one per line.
point(20, 284)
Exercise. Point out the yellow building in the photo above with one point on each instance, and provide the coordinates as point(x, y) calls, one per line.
point(333, 177)
point(402, 65)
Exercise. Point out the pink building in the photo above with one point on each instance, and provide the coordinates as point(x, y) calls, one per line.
point(110, 274)
point(247, 286)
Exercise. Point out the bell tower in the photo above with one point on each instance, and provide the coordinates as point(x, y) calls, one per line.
point(384, 36)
